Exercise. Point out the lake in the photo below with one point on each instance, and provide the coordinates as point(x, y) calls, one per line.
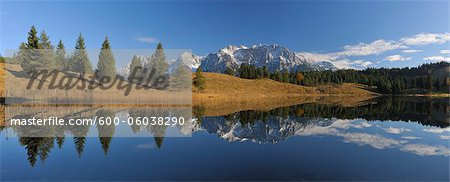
point(384, 138)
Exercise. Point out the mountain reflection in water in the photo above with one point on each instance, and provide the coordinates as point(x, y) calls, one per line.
point(400, 123)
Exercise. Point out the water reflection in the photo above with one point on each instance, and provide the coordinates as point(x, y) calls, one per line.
point(381, 123)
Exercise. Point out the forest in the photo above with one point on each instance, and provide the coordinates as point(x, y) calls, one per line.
point(426, 78)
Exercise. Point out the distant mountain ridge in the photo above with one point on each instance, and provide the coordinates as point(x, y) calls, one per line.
point(274, 57)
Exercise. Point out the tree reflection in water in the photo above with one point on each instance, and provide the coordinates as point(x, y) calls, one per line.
point(298, 118)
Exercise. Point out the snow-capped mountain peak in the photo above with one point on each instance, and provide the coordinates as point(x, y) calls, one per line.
point(275, 57)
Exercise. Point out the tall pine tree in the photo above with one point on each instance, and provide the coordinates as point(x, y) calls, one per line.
point(80, 59)
point(47, 60)
point(106, 66)
point(61, 60)
point(158, 61)
point(135, 62)
point(33, 39)
point(44, 41)
point(199, 80)
point(37, 53)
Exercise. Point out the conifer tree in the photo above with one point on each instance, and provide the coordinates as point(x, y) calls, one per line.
point(61, 60)
point(199, 80)
point(135, 63)
point(437, 85)
point(47, 60)
point(429, 83)
point(28, 55)
point(158, 61)
point(33, 39)
point(182, 77)
point(37, 54)
point(229, 71)
point(44, 41)
point(106, 66)
point(80, 59)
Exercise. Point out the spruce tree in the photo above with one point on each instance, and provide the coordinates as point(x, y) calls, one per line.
point(106, 66)
point(80, 59)
point(181, 78)
point(229, 71)
point(135, 62)
point(158, 61)
point(199, 80)
point(437, 85)
point(44, 41)
point(61, 60)
point(33, 39)
point(47, 60)
point(429, 83)
point(28, 56)
point(37, 54)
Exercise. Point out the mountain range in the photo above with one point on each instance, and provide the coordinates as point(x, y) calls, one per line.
point(274, 57)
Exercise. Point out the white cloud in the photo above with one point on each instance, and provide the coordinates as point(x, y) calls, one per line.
point(349, 64)
point(363, 63)
point(340, 128)
point(411, 137)
point(445, 51)
point(396, 130)
point(341, 59)
point(444, 137)
point(422, 150)
point(437, 130)
point(437, 58)
point(317, 57)
point(411, 51)
point(149, 40)
point(426, 38)
point(396, 58)
point(373, 48)
point(376, 141)
point(334, 59)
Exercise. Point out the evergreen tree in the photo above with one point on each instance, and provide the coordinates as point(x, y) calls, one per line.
point(61, 60)
point(80, 59)
point(159, 141)
point(429, 83)
point(106, 66)
point(47, 57)
point(437, 85)
point(266, 72)
point(278, 76)
point(285, 77)
point(60, 141)
point(199, 80)
point(135, 63)
point(158, 61)
point(33, 39)
point(44, 41)
point(182, 78)
point(38, 54)
point(229, 71)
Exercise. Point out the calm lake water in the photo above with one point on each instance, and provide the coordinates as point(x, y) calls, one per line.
point(382, 139)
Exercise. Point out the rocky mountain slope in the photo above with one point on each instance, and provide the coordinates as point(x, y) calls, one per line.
point(274, 57)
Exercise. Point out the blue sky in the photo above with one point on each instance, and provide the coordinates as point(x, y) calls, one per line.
point(347, 33)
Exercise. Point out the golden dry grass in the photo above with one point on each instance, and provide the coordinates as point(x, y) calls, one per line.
point(218, 85)
point(17, 88)
point(225, 94)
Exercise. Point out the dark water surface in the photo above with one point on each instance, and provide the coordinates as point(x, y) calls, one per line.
point(383, 139)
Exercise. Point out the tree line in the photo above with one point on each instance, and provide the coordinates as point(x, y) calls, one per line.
point(378, 109)
point(38, 53)
point(386, 80)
